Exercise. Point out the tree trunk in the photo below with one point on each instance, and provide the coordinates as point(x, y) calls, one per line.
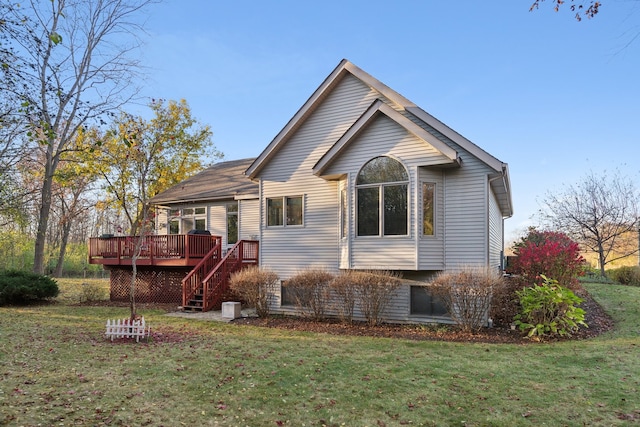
point(66, 230)
point(132, 288)
point(43, 217)
point(601, 260)
point(134, 274)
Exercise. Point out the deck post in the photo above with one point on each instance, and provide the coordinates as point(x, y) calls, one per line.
point(186, 248)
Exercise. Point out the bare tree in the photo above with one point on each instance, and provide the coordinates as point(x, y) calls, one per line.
point(71, 205)
point(585, 8)
point(12, 152)
point(600, 213)
point(72, 64)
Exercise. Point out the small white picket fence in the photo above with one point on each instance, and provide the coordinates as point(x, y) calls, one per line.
point(125, 328)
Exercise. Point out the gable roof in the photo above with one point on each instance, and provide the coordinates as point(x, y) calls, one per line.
point(450, 156)
point(221, 181)
point(500, 181)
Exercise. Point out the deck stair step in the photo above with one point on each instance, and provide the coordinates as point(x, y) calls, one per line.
point(195, 304)
point(212, 274)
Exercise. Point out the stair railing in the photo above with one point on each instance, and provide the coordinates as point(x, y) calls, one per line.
point(192, 283)
point(216, 283)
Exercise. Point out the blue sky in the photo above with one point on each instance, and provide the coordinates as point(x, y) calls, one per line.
point(552, 97)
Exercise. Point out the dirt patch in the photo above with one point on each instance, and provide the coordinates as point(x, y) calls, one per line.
point(595, 317)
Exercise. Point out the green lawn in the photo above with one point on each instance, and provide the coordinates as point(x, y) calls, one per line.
point(56, 368)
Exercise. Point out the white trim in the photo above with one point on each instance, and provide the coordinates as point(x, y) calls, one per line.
point(503, 193)
point(379, 107)
point(284, 211)
point(296, 120)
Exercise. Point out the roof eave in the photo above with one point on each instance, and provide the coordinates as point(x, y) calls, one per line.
point(380, 107)
point(502, 188)
point(309, 106)
point(469, 146)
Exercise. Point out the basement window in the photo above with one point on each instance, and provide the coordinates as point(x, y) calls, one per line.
point(423, 303)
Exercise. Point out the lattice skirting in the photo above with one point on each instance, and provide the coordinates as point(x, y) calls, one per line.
point(152, 286)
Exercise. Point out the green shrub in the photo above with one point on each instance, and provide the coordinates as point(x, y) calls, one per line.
point(467, 294)
point(310, 290)
point(593, 275)
point(19, 287)
point(549, 310)
point(253, 284)
point(626, 275)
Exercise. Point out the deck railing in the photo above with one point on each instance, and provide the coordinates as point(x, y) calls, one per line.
point(216, 283)
point(119, 250)
point(192, 283)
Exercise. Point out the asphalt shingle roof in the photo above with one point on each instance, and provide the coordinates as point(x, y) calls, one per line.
point(222, 180)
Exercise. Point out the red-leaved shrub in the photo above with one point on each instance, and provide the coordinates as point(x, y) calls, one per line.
point(549, 253)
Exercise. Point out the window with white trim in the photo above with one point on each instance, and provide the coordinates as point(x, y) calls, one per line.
point(283, 211)
point(343, 213)
point(187, 219)
point(382, 198)
point(428, 208)
point(232, 223)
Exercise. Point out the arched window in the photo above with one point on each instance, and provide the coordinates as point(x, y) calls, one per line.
point(382, 188)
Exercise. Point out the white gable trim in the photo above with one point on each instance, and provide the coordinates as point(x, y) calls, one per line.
point(469, 146)
point(330, 82)
point(295, 122)
point(379, 107)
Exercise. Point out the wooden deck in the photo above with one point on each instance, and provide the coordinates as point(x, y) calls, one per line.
point(175, 250)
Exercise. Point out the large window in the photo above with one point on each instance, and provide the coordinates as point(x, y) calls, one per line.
point(284, 211)
point(428, 192)
point(382, 189)
point(232, 223)
point(187, 219)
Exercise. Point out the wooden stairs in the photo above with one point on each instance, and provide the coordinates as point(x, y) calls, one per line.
point(205, 287)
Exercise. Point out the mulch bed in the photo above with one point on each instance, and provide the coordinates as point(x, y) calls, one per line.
point(595, 317)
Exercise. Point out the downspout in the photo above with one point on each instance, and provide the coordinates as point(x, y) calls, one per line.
point(445, 258)
point(495, 178)
point(260, 222)
point(350, 194)
point(415, 218)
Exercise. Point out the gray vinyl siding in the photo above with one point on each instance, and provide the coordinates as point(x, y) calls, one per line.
point(249, 219)
point(461, 200)
point(496, 232)
point(466, 215)
point(290, 248)
point(431, 249)
point(465, 208)
point(161, 222)
point(218, 221)
point(396, 311)
point(382, 137)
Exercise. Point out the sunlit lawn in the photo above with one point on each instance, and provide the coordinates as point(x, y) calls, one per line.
point(56, 368)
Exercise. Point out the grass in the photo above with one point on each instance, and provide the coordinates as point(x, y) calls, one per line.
point(82, 290)
point(56, 368)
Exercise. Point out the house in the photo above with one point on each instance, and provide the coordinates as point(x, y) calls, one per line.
point(359, 178)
